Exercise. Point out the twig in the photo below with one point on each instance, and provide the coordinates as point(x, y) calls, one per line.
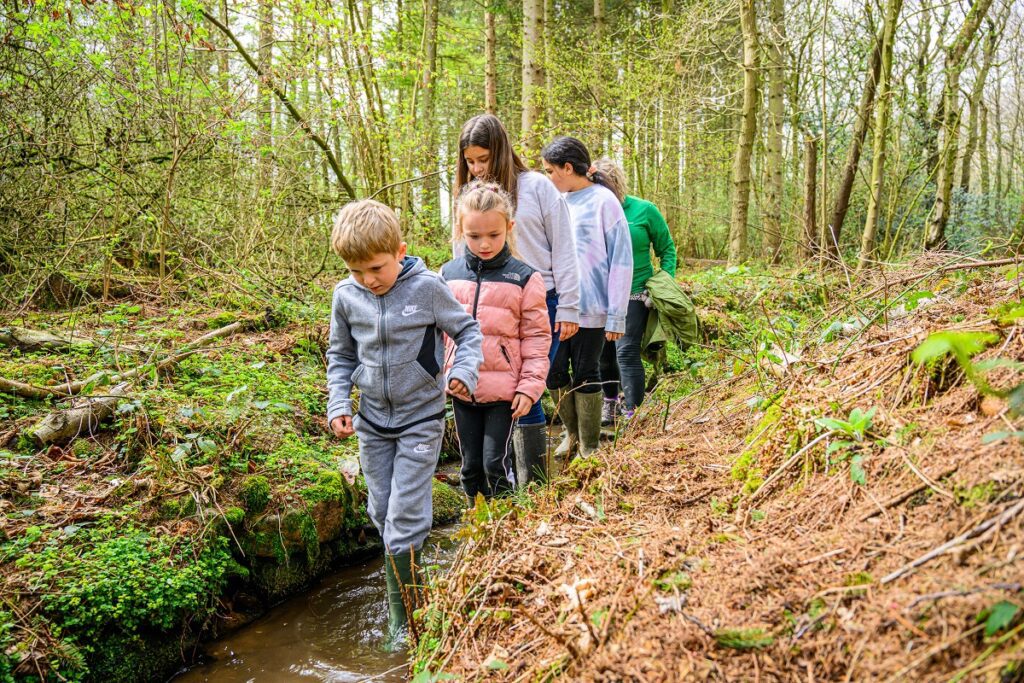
point(995, 521)
point(945, 269)
point(927, 482)
point(935, 597)
point(906, 495)
point(796, 456)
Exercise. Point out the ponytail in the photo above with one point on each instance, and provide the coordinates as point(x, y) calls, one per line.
point(566, 149)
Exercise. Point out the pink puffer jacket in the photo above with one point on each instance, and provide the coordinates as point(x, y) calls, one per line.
point(509, 300)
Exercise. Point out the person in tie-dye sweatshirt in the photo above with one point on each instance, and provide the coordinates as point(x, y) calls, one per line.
point(605, 254)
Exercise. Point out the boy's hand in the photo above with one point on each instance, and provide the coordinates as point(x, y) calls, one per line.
point(613, 336)
point(459, 390)
point(342, 426)
point(521, 405)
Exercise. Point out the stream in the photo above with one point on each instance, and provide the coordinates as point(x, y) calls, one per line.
point(332, 632)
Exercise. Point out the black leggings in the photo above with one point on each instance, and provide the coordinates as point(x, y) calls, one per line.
point(622, 362)
point(582, 352)
point(485, 432)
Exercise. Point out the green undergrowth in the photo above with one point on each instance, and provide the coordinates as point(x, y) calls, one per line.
point(214, 475)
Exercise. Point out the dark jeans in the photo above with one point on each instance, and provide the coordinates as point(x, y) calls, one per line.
point(485, 434)
point(622, 362)
point(582, 355)
point(536, 414)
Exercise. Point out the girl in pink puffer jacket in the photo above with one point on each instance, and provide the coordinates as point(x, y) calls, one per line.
point(509, 300)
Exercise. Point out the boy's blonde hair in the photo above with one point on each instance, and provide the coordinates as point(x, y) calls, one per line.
point(613, 175)
point(364, 229)
point(483, 196)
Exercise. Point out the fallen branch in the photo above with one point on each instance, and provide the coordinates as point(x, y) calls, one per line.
point(75, 388)
point(942, 271)
point(65, 425)
point(38, 340)
point(16, 388)
point(995, 521)
point(906, 495)
point(796, 456)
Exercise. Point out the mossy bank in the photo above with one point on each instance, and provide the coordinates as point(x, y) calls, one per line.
point(213, 492)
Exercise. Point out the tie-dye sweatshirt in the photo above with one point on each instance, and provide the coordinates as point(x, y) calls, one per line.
point(605, 253)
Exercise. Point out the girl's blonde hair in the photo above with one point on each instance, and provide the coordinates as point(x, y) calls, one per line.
point(613, 175)
point(484, 196)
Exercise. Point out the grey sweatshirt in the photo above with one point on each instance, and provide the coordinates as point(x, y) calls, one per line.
point(546, 242)
point(392, 348)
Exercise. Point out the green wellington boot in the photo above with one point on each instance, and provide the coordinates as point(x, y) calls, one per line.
point(403, 589)
point(566, 407)
point(531, 446)
point(588, 416)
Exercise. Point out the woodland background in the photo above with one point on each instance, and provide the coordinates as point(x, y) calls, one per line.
point(189, 142)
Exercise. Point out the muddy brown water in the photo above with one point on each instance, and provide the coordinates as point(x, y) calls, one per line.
point(333, 632)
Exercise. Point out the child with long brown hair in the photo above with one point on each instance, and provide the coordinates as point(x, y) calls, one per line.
point(545, 242)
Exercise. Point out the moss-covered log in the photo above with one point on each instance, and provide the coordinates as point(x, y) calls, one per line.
point(65, 425)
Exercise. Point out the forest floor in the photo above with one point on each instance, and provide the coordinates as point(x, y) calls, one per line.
point(815, 505)
point(213, 491)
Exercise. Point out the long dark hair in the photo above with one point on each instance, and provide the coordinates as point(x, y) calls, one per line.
point(485, 130)
point(566, 149)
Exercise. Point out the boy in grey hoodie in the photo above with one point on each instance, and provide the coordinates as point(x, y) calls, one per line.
point(387, 320)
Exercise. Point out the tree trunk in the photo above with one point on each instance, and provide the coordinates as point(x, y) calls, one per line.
point(808, 248)
point(999, 145)
point(747, 133)
point(549, 81)
point(985, 174)
point(224, 61)
point(955, 59)
point(774, 162)
point(533, 77)
point(853, 152)
point(264, 96)
point(880, 134)
point(992, 35)
point(490, 63)
point(431, 184)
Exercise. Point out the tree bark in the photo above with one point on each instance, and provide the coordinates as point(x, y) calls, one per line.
point(995, 30)
point(431, 184)
point(853, 152)
point(880, 134)
point(956, 57)
point(36, 340)
point(985, 173)
point(264, 98)
point(808, 248)
point(66, 425)
point(490, 63)
point(533, 77)
point(747, 133)
point(776, 118)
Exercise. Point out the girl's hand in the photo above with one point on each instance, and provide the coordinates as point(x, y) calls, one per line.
point(613, 336)
point(521, 405)
point(564, 330)
point(342, 426)
point(459, 390)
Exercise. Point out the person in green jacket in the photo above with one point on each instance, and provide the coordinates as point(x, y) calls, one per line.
point(621, 364)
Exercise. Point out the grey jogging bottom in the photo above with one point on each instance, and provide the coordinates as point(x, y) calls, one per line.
point(399, 471)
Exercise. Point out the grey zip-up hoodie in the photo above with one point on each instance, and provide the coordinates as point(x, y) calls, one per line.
point(392, 348)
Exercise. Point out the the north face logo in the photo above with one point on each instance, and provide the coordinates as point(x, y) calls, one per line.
point(410, 309)
point(513, 276)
